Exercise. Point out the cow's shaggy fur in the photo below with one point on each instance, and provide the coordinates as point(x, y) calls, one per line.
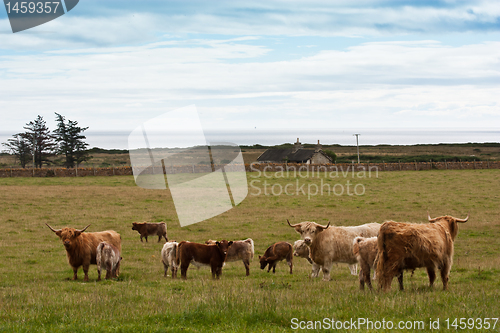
point(81, 247)
point(406, 246)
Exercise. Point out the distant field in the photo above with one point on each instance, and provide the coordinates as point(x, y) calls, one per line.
point(478, 151)
point(37, 295)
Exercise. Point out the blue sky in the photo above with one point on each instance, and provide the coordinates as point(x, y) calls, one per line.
point(294, 64)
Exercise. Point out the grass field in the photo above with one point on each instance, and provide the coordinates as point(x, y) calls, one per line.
point(36, 293)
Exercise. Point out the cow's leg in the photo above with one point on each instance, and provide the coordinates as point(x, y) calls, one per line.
point(445, 273)
point(290, 263)
point(361, 280)
point(354, 269)
point(400, 280)
point(86, 272)
point(159, 238)
point(315, 270)
point(98, 272)
point(166, 239)
point(366, 274)
point(75, 271)
point(146, 238)
point(165, 268)
point(432, 275)
point(184, 268)
point(274, 266)
point(174, 272)
point(246, 262)
point(327, 267)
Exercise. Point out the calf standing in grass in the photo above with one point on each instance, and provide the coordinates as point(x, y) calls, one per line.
point(108, 257)
point(365, 250)
point(277, 252)
point(301, 250)
point(168, 254)
point(210, 255)
point(240, 250)
point(149, 229)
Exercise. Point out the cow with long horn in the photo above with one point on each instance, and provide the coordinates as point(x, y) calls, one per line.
point(329, 244)
point(407, 246)
point(81, 247)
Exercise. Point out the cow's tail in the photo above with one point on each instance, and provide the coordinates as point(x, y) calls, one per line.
point(174, 253)
point(381, 260)
point(178, 253)
point(98, 257)
point(253, 249)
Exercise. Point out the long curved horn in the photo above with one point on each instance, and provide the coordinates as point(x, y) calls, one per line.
point(54, 230)
point(84, 228)
point(327, 225)
point(291, 225)
point(429, 218)
point(463, 220)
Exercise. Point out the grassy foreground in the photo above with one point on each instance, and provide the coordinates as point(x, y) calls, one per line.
point(36, 293)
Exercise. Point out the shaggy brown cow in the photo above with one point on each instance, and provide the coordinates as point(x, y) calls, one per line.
point(365, 250)
point(277, 252)
point(108, 257)
point(240, 250)
point(81, 248)
point(408, 246)
point(210, 255)
point(148, 229)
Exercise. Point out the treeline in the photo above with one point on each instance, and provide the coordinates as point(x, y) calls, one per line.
point(37, 143)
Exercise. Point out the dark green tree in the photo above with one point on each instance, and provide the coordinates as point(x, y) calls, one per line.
point(41, 141)
point(20, 147)
point(69, 138)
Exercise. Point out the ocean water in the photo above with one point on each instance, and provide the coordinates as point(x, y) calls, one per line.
point(267, 137)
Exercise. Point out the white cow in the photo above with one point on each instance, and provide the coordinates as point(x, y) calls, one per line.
point(329, 244)
point(108, 257)
point(168, 253)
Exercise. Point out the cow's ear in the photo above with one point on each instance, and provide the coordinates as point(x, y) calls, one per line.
point(77, 233)
point(58, 233)
point(231, 242)
point(260, 257)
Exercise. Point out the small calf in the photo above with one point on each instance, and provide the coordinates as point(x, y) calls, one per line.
point(168, 254)
point(211, 255)
point(365, 250)
point(301, 250)
point(277, 252)
point(108, 257)
point(146, 229)
point(240, 250)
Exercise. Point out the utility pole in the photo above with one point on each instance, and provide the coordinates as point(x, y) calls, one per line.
point(357, 144)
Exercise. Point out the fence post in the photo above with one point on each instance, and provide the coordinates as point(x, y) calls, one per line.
point(416, 166)
point(445, 165)
point(114, 169)
point(76, 171)
point(93, 168)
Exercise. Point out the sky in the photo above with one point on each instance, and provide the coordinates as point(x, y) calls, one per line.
point(259, 66)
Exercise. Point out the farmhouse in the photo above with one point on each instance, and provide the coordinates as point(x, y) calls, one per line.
point(297, 154)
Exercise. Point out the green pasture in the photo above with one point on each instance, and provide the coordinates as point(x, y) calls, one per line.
point(38, 295)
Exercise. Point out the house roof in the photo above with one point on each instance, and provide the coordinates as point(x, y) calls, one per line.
point(281, 155)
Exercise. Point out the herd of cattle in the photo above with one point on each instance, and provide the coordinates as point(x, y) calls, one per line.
point(389, 248)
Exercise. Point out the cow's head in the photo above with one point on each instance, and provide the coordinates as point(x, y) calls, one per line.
point(448, 221)
point(223, 246)
point(68, 235)
point(308, 230)
point(211, 242)
point(137, 225)
point(263, 262)
point(300, 249)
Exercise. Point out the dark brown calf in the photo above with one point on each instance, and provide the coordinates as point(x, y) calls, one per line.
point(210, 255)
point(277, 252)
point(149, 229)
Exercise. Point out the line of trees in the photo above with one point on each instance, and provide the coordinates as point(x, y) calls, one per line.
point(38, 143)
